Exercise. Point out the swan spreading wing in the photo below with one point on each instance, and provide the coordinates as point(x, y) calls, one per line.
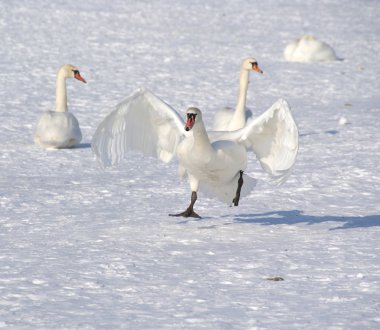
point(141, 122)
point(273, 137)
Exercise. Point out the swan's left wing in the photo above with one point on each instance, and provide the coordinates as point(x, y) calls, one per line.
point(273, 136)
point(142, 122)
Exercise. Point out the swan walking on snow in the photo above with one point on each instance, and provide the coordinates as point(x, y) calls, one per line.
point(219, 165)
point(59, 129)
point(213, 161)
point(229, 119)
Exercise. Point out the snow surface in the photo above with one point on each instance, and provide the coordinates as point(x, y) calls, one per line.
point(84, 248)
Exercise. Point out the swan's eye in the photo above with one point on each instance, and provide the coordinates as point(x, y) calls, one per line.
point(253, 64)
point(76, 71)
point(191, 116)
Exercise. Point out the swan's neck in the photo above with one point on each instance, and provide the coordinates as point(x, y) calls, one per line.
point(201, 141)
point(61, 94)
point(239, 117)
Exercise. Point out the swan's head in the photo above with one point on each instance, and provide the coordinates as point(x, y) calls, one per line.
point(251, 64)
point(70, 71)
point(193, 115)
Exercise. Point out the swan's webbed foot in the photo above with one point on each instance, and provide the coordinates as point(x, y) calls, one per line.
point(240, 184)
point(189, 212)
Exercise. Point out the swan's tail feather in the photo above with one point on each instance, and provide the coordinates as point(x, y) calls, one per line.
point(226, 192)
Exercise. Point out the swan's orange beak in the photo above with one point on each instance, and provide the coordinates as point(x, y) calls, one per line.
point(255, 67)
point(190, 121)
point(79, 77)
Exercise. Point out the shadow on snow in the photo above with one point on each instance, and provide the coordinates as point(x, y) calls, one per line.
point(83, 146)
point(296, 216)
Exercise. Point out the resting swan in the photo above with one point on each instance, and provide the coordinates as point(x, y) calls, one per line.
point(309, 49)
point(214, 161)
point(59, 129)
point(229, 119)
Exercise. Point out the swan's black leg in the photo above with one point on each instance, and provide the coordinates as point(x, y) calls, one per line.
point(240, 184)
point(189, 211)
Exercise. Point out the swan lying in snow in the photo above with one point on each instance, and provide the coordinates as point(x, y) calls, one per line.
point(59, 129)
point(229, 119)
point(309, 49)
point(214, 161)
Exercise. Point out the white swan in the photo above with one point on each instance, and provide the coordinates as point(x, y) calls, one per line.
point(229, 119)
point(59, 129)
point(213, 161)
point(309, 49)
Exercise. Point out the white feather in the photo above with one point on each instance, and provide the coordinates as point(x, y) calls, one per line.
point(273, 137)
point(226, 192)
point(57, 130)
point(142, 122)
point(309, 49)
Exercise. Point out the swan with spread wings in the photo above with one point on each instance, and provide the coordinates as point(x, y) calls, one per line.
point(214, 161)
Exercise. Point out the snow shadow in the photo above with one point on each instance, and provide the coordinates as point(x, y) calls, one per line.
point(83, 146)
point(296, 216)
point(330, 132)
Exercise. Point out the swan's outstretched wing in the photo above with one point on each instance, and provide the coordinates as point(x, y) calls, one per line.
point(141, 122)
point(273, 136)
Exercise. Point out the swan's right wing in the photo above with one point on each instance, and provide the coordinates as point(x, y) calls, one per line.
point(142, 122)
point(273, 137)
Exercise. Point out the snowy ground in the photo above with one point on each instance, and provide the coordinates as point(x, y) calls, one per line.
point(83, 248)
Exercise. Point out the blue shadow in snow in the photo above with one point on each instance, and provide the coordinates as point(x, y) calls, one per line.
point(83, 146)
point(330, 132)
point(296, 216)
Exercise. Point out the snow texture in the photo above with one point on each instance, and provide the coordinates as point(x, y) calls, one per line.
point(87, 248)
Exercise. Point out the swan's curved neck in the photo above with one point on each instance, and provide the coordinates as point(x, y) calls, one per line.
point(238, 119)
point(60, 93)
point(201, 140)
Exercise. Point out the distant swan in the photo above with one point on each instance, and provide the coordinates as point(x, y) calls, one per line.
point(59, 129)
point(229, 119)
point(309, 49)
point(213, 161)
